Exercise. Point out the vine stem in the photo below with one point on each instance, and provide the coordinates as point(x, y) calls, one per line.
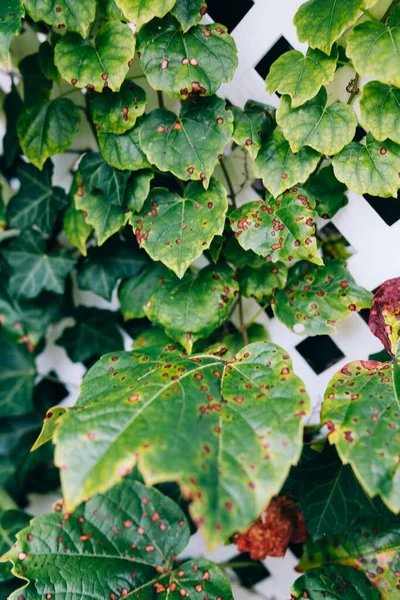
point(389, 10)
point(229, 182)
point(243, 328)
point(236, 565)
point(354, 89)
point(160, 99)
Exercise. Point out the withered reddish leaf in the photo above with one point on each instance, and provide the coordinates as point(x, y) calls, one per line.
point(384, 318)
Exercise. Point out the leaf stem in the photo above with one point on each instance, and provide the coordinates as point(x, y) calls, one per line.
point(354, 89)
point(389, 10)
point(237, 565)
point(229, 182)
point(242, 323)
point(160, 99)
point(370, 15)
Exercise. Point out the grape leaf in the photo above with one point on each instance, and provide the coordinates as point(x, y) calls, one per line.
point(135, 292)
point(321, 22)
point(17, 376)
point(372, 168)
point(75, 228)
point(189, 12)
point(34, 270)
point(327, 129)
point(137, 189)
point(192, 308)
point(236, 255)
point(72, 14)
point(380, 110)
point(103, 267)
point(279, 168)
point(36, 203)
point(261, 283)
point(12, 521)
point(103, 63)
point(316, 298)
point(142, 11)
point(189, 145)
point(45, 60)
point(109, 10)
point(177, 230)
point(301, 76)
point(99, 177)
point(186, 64)
point(222, 405)
point(95, 332)
point(137, 518)
point(11, 13)
point(11, 107)
point(123, 151)
point(334, 582)
point(383, 316)
point(329, 193)
point(281, 229)
point(117, 112)
point(252, 125)
point(361, 409)
point(374, 49)
point(37, 88)
point(372, 547)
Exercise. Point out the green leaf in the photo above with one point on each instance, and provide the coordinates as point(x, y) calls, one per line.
point(223, 406)
point(103, 63)
point(316, 298)
point(372, 547)
point(321, 22)
point(12, 521)
point(329, 193)
point(137, 189)
point(236, 255)
point(361, 410)
point(135, 292)
point(186, 64)
point(372, 168)
point(142, 11)
point(327, 129)
point(152, 337)
point(301, 77)
point(123, 151)
point(177, 230)
point(34, 270)
point(37, 88)
point(252, 125)
point(281, 229)
point(3, 221)
point(12, 106)
point(191, 309)
point(109, 10)
point(46, 62)
point(117, 112)
point(188, 145)
point(374, 49)
point(279, 168)
point(72, 14)
point(75, 228)
point(145, 520)
point(47, 129)
point(36, 203)
point(49, 426)
point(334, 582)
point(380, 110)
point(99, 177)
point(261, 283)
point(95, 333)
point(189, 12)
point(103, 267)
point(17, 376)
point(11, 13)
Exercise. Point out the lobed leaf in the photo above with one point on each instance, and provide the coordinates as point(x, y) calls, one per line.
point(334, 582)
point(135, 292)
point(17, 376)
point(329, 193)
point(189, 12)
point(142, 11)
point(138, 189)
point(117, 112)
point(263, 282)
point(72, 14)
point(123, 151)
point(75, 228)
point(380, 110)
point(99, 177)
point(11, 13)
point(252, 125)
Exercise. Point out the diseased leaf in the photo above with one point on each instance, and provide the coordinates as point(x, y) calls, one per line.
point(374, 49)
point(329, 193)
point(144, 519)
point(301, 76)
point(75, 228)
point(34, 270)
point(361, 409)
point(281, 229)
point(95, 333)
point(142, 11)
point(189, 145)
point(49, 426)
point(137, 189)
point(186, 64)
point(17, 376)
point(177, 230)
point(151, 337)
point(124, 151)
point(109, 10)
point(117, 112)
point(316, 298)
point(261, 283)
point(103, 63)
point(99, 177)
point(321, 22)
point(11, 521)
point(222, 405)
point(252, 125)
point(11, 13)
point(72, 14)
point(380, 110)
point(191, 309)
point(189, 12)
point(279, 168)
point(327, 129)
point(135, 292)
point(372, 168)
point(36, 203)
point(384, 321)
point(236, 255)
point(334, 582)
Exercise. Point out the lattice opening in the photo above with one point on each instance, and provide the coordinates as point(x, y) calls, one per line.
point(231, 17)
point(280, 47)
point(320, 352)
point(387, 208)
point(249, 576)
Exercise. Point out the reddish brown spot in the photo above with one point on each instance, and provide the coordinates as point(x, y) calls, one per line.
point(190, 170)
point(160, 129)
point(74, 81)
point(164, 64)
point(383, 150)
point(104, 76)
point(284, 176)
point(177, 126)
